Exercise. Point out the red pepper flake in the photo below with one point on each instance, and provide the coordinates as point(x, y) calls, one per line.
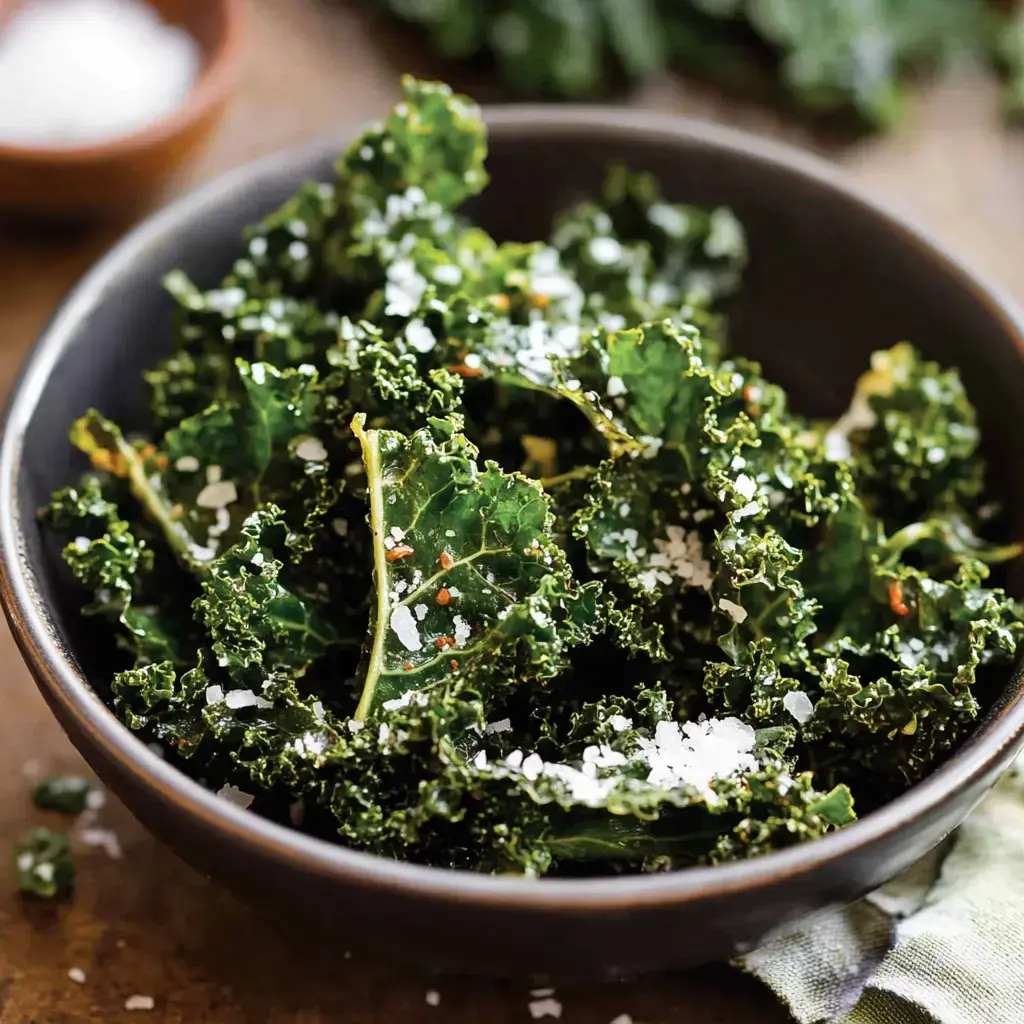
point(500, 301)
point(408, 666)
point(446, 560)
point(541, 301)
point(444, 641)
point(896, 602)
point(466, 371)
point(443, 596)
point(399, 551)
point(455, 665)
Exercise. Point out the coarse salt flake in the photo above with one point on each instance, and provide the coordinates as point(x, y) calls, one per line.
point(102, 838)
point(214, 694)
point(461, 629)
point(398, 702)
point(419, 336)
point(138, 1002)
point(77, 975)
point(217, 495)
point(799, 705)
point(545, 1008)
point(433, 997)
point(697, 753)
point(745, 486)
point(236, 699)
point(236, 796)
point(736, 612)
point(532, 767)
point(311, 449)
point(448, 273)
point(403, 623)
point(605, 251)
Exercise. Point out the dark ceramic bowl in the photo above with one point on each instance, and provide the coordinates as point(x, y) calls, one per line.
point(832, 277)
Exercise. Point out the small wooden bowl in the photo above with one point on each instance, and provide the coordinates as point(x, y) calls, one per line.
point(124, 172)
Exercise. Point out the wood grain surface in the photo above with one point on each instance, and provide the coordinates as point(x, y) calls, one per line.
point(146, 924)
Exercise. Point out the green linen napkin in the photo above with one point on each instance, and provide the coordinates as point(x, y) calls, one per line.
point(942, 944)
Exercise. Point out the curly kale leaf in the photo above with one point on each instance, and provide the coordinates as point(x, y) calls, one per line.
point(376, 378)
point(108, 557)
point(285, 252)
point(260, 637)
point(255, 625)
point(639, 258)
point(913, 436)
point(468, 581)
point(215, 468)
point(401, 181)
point(216, 328)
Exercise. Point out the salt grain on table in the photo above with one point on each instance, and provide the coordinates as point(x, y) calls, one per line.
point(81, 72)
point(545, 1008)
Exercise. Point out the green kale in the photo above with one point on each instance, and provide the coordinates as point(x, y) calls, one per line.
point(69, 794)
point(43, 861)
point(829, 55)
point(491, 555)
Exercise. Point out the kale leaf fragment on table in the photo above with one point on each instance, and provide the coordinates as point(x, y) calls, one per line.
point(43, 861)
point(492, 555)
point(69, 794)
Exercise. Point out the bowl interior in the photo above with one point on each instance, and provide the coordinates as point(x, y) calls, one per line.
point(830, 280)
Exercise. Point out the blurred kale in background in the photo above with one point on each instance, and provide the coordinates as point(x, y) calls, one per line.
point(830, 56)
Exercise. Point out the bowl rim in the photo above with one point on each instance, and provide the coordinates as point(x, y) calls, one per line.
point(212, 84)
point(57, 676)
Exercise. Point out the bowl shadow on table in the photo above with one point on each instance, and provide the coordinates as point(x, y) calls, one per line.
point(151, 924)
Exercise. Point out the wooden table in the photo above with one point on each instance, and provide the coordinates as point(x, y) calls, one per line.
point(146, 924)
